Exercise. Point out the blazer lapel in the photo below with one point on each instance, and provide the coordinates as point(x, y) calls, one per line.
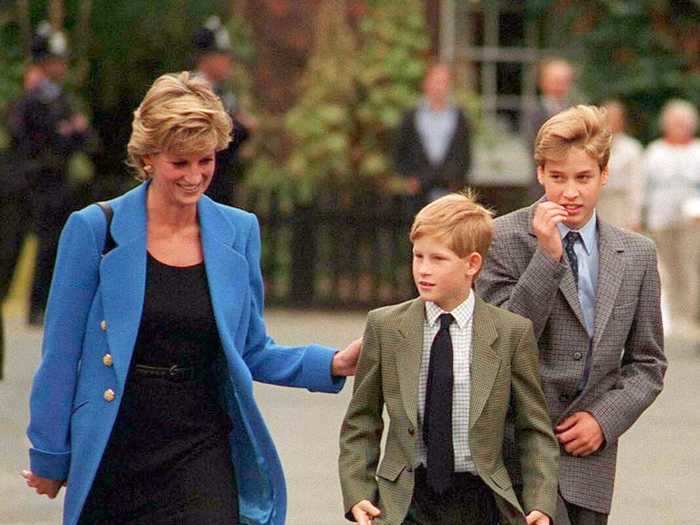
point(123, 278)
point(227, 270)
point(123, 274)
point(485, 361)
point(567, 286)
point(611, 266)
point(570, 293)
point(409, 357)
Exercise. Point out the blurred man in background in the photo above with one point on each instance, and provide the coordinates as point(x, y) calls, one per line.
point(214, 61)
point(620, 202)
point(433, 144)
point(46, 131)
point(15, 204)
point(671, 174)
point(555, 81)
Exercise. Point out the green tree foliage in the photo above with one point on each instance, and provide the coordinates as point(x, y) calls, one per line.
point(391, 66)
point(129, 44)
point(353, 96)
point(11, 67)
point(641, 51)
point(321, 124)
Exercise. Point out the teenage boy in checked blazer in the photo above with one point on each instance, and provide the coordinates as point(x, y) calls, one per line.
point(591, 291)
point(447, 367)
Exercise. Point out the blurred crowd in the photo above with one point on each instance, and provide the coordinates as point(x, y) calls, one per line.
point(654, 190)
point(46, 130)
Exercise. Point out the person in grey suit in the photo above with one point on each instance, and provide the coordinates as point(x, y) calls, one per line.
point(592, 292)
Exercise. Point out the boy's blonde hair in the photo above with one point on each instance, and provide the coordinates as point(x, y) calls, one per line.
point(459, 220)
point(180, 113)
point(583, 127)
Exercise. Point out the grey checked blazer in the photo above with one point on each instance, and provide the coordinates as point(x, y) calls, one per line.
point(504, 373)
point(628, 363)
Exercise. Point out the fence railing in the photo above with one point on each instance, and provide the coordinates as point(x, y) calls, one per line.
point(344, 251)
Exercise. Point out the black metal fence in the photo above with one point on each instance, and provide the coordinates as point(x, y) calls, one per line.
point(344, 251)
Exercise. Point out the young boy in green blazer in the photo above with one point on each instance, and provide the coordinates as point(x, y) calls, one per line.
point(447, 367)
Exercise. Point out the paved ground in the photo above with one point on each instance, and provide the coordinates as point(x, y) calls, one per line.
point(659, 468)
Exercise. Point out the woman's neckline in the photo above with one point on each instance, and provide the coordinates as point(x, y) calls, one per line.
point(185, 267)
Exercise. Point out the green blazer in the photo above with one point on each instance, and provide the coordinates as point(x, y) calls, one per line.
point(504, 373)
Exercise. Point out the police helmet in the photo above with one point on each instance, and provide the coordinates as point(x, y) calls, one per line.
point(212, 37)
point(48, 43)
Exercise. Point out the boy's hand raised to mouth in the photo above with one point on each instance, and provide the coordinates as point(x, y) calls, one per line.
point(544, 224)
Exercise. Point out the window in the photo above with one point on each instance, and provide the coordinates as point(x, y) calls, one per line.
point(498, 44)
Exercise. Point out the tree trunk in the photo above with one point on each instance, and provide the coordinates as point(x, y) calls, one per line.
point(82, 41)
point(25, 28)
point(56, 14)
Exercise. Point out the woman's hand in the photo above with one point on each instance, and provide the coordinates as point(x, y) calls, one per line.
point(50, 487)
point(345, 361)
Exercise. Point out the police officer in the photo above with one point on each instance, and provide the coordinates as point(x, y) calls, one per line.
point(214, 61)
point(15, 202)
point(46, 132)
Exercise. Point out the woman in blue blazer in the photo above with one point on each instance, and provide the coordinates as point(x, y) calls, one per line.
point(170, 321)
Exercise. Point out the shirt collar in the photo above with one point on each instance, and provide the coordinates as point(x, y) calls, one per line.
point(462, 314)
point(425, 107)
point(588, 232)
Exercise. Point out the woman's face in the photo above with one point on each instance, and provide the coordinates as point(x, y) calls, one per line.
point(181, 178)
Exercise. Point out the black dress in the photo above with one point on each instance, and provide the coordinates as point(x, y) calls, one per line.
point(168, 459)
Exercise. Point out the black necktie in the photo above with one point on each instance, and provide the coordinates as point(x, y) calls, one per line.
point(437, 420)
point(569, 241)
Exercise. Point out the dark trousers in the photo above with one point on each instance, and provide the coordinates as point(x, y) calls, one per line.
point(570, 514)
point(2, 345)
point(52, 210)
point(15, 222)
point(467, 502)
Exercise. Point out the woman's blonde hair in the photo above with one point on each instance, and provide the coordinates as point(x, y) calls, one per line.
point(584, 127)
point(180, 113)
point(458, 220)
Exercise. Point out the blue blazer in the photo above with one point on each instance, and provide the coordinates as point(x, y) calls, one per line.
point(95, 308)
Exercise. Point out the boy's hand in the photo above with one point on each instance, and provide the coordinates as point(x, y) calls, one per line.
point(580, 434)
point(345, 361)
point(537, 518)
point(364, 511)
point(544, 224)
point(50, 487)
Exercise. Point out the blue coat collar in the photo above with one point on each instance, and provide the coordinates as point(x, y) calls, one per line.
point(123, 274)
point(130, 217)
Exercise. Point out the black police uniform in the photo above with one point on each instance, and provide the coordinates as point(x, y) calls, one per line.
point(15, 212)
point(228, 166)
point(41, 154)
point(213, 38)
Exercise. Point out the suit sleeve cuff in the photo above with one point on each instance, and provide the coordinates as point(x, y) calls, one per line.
point(541, 258)
point(49, 465)
point(610, 434)
point(318, 364)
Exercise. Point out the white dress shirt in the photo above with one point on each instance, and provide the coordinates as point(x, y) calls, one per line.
point(461, 335)
point(671, 177)
point(436, 129)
